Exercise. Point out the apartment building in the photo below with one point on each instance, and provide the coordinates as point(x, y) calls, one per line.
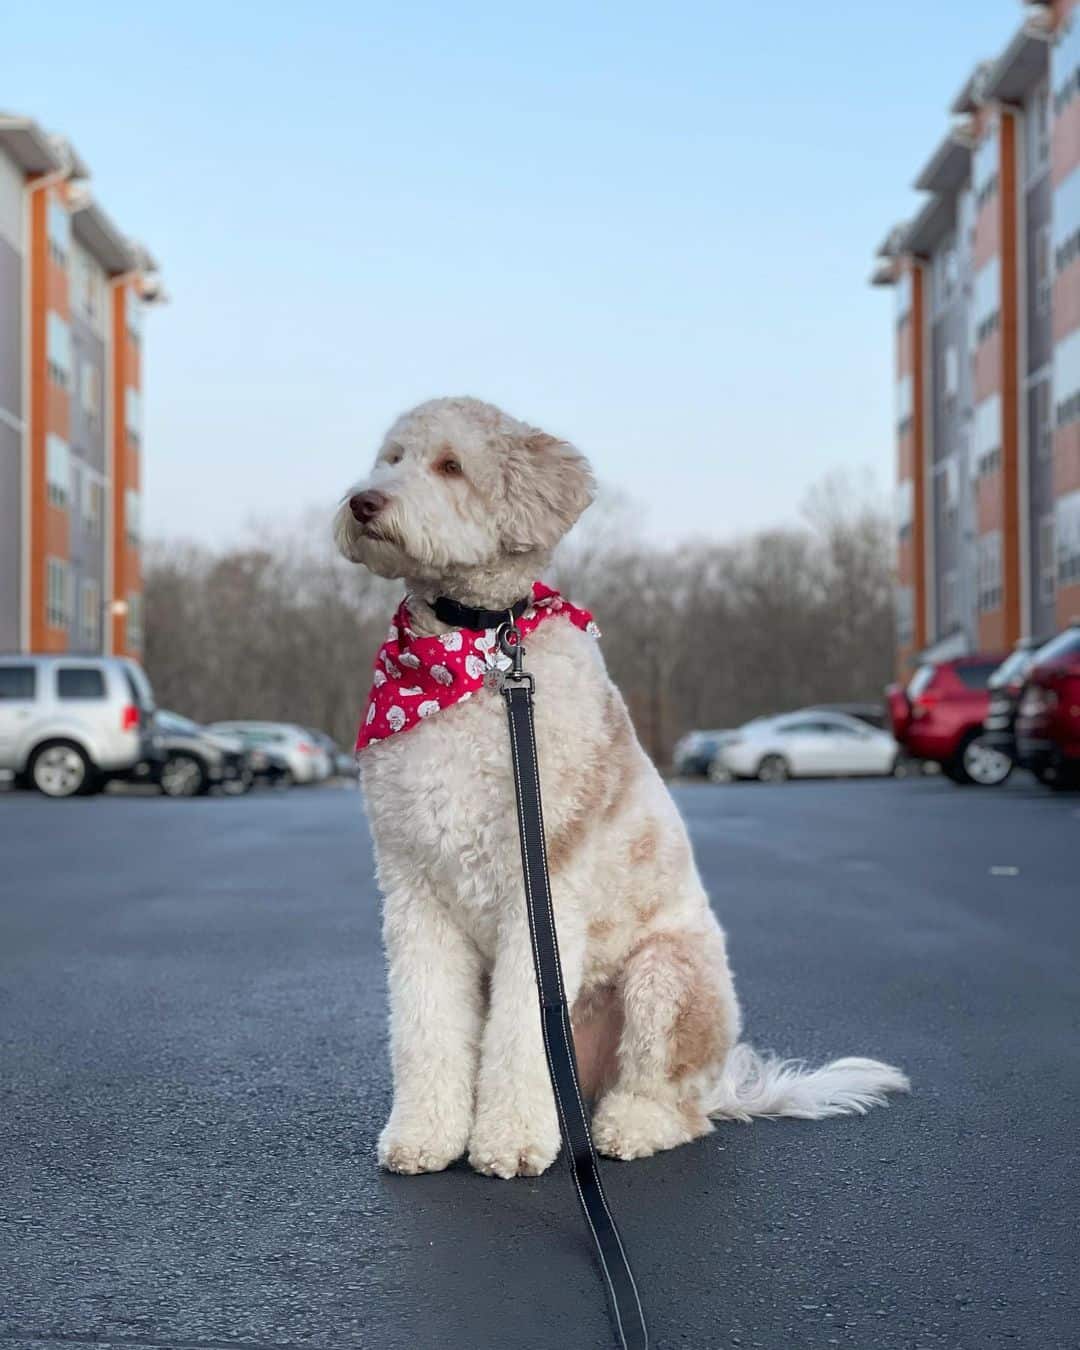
point(73, 291)
point(986, 284)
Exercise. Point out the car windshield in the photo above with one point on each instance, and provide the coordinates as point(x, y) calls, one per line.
point(976, 675)
point(1065, 644)
point(920, 680)
point(1013, 668)
point(171, 721)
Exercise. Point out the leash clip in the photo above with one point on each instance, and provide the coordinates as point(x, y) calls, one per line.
point(511, 644)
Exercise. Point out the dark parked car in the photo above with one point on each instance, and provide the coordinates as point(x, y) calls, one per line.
point(1048, 718)
point(695, 754)
point(1005, 685)
point(342, 763)
point(940, 715)
point(193, 760)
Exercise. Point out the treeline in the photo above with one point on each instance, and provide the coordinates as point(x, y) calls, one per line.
point(707, 634)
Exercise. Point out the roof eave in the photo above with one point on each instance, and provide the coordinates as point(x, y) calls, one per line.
point(96, 232)
point(947, 168)
point(28, 145)
point(1020, 66)
point(930, 226)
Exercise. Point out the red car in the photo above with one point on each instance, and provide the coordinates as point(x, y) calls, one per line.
point(1048, 719)
point(940, 716)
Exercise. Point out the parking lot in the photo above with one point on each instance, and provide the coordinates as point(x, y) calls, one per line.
point(193, 1074)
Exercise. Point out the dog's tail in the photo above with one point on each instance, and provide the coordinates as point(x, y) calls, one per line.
point(757, 1085)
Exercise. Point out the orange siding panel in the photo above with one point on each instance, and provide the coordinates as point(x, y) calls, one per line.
point(987, 367)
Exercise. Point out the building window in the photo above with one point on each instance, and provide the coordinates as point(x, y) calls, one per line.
point(1038, 131)
point(986, 443)
point(57, 598)
point(1047, 561)
point(87, 285)
point(58, 349)
point(905, 615)
point(905, 508)
point(132, 314)
point(985, 167)
point(58, 229)
point(989, 572)
point(1068, 539)
point(57, 470)
point(1067, 379)
point(903, 401)
point(90, 613)
point(131, 516)
point(93, 506)
point(950, 490)
point(902, 296)
point(986, 306)
point(950, 376)
point(1043, 272)
point(90, 392)
point(132, 414)
point(950, 613)
point(1066, 220)
point(134, 622)
point(1066, 67)
point(1044, 430)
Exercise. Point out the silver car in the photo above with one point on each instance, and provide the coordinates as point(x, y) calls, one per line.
point(308, 762)
point(69, 723)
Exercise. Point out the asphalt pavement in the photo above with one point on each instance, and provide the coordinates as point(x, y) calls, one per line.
point(193, 1073)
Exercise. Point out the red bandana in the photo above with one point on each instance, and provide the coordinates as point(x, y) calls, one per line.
point(416, 677)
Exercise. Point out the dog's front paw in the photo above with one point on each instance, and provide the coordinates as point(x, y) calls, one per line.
point(630, 1126)
point(417, 1147)
point(507, 1146)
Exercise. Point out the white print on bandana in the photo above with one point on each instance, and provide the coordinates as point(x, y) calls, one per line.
point(486, 641)
point(392, 634)
point(395, 718)
point(394, 671)
point(413, 691)
point(378, 678)
point(442, 675)
point(408, 659)
point(474, 667)
point(428, 707)
point(451, 641)
point(593, 629)
point(370, 715)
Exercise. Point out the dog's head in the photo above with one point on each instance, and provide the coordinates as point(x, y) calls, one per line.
point(458, 484)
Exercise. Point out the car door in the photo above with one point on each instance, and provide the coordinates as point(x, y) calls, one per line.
point(804, 744)
point(18, 694)
point(848, 747)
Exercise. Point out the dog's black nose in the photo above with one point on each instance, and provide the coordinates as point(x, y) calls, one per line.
point(366, 506)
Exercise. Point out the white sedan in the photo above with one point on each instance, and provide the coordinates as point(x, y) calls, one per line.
point(808, 744)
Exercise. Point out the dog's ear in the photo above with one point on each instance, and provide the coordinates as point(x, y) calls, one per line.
point(547, 484)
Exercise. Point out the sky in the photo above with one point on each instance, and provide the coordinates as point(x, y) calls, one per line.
point(647, 229)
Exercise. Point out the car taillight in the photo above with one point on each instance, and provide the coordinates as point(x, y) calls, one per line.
point(129, 718)
point(306, 749)
point(922, 705)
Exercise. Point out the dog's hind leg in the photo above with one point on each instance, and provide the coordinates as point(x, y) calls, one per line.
point(680, 1020)
point(436, 1018)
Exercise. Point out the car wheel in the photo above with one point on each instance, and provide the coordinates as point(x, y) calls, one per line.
point(62, 770)
point(981, 764)
point(773, 769)
point(718, 772)
point(183, 776)
point(237, 787)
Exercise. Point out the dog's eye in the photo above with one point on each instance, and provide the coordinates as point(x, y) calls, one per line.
point(394, 457)
point(450, 467)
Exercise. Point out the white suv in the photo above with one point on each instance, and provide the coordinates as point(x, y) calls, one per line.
point(68, 723)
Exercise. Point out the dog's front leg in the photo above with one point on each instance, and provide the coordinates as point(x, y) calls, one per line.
point(516, 1132)
point(436, 1012)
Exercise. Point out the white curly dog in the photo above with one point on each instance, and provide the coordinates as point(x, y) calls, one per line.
point(465, 501)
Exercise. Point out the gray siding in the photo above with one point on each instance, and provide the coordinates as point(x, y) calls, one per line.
point(10, 329)
point(1040, 336)
point(10, 538)
point(1040, 503)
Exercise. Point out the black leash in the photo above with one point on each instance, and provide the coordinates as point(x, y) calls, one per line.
point(517, 689)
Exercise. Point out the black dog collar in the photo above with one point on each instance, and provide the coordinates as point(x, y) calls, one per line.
point(457, 615)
